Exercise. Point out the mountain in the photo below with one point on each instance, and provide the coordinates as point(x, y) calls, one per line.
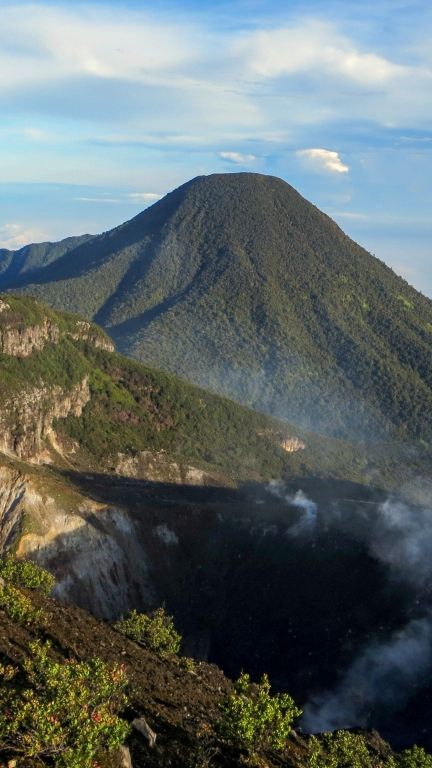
point(30, 258)
point(237, 283)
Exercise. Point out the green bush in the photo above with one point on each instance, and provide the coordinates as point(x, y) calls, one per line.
point(416, 757)
point(340, 749)
point(254, 719)
point(67, 711)
point(156, 631)
point(25, 573)
point(18, 606)
point(343, 749)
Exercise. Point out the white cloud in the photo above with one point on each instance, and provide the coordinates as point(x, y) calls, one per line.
point(237, 158)
point(144, 197)
point(122, 66)
point(180, 89)
point(313, 46)
point(55, 42)
point(323, 160)
point(14, 236)
point(138, 198)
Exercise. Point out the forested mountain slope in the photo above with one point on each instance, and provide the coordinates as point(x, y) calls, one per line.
point(237, 283)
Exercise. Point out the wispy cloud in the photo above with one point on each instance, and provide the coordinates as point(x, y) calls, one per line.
point(314, 46)
point(56, 42)
point(144, 197)
point(237, 158)
point(138, 198)
point(205, 76)
point(323, 160)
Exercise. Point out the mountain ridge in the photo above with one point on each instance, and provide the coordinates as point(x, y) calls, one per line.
point(235, 282)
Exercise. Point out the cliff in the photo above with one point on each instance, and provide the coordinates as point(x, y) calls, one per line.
point(26, 420)
point(43, 377)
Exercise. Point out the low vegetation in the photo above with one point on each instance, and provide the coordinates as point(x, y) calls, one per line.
point(344, 749)
point(156, 631)
point(62, 711)
point(65, 711)
point(25, 573)
point(416, 757)
point(254, 719)
point(17, 574)
point(18, 606)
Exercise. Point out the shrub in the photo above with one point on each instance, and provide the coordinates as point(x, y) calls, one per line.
point(67, 712)
point(416, 757)
point(25, 573)
point(18, 606)
point(343, 749)
point(254, 719)
point(156, 631)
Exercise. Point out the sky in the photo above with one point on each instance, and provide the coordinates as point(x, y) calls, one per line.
point(106, 106)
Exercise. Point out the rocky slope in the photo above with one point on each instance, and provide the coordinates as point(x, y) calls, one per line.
point(237, 283)
point(138, 490)
point(179, 704)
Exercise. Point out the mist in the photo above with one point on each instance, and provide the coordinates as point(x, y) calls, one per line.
point(384, 674)
point(307, 508)
point(388, 670)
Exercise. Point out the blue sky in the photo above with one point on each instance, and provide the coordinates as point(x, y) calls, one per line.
point(107, 105)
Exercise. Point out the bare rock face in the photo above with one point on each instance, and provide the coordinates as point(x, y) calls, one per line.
point(26, 419)
point(96, 552)
point(28, 412)
point(12, 491)
point(158, 467)
point(20, 340)
point(293, 444)
point(23, 341)
point(86, 332)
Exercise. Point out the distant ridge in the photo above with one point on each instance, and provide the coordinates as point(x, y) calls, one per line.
point(237, 283)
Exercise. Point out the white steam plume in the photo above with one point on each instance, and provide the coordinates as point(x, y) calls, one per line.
point(307, 507)
point(401, 538)
point(381, 675)
point(385, 672)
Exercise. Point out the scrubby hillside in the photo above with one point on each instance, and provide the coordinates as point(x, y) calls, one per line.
point(62, 381)
point(66, 395)
point(82, 684)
